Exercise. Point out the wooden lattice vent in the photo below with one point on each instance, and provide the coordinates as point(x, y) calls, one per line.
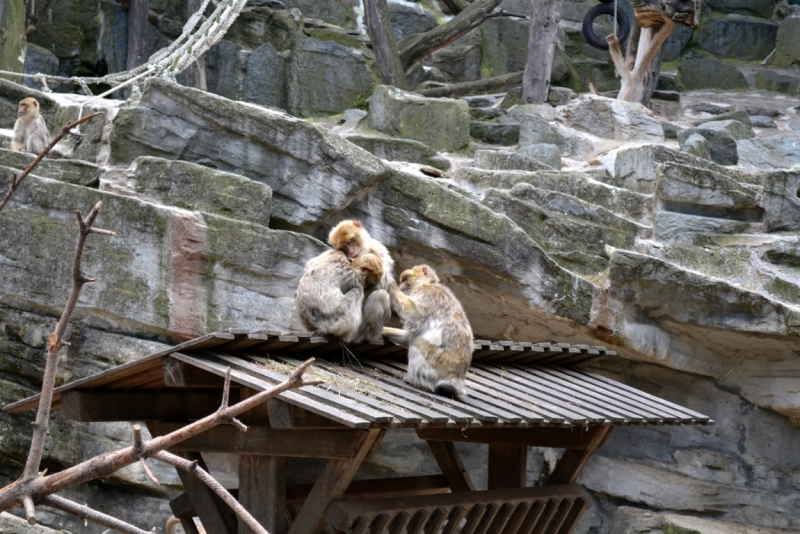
point(541, 510)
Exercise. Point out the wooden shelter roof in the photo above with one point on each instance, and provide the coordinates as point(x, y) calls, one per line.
point(510, 384)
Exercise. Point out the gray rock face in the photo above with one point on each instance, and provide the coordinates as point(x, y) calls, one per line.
point(696, 145)
point(39, 60)
point(780, 200)
point(738, 37)
point(546, 153)
point(225, 69)
point(494, 133)
point(612, 119)
point(760, 121)
point(324, 77)
point(709, 73)
point(782, 82)
point(264, 83)
point(787, 42)
point(507, 161)
point(412, 117)
point(741, 116)
point(535, 130)
point(408, 19)
point(459, 61)
point(677, 41)
point(393, 149)
point(720, 142)
point(176, 122)
point(776, 152)
point(711, 107)
point(66, 170)
point(758, 8)
point(737, 129)
point(339, 13)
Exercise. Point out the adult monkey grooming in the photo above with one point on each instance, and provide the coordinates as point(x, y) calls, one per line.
point(30, 131)
point(435, 330)
point(331, 292)
point(353, 239)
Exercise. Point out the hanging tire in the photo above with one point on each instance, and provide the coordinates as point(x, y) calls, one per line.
point(623, 25)
point(606, 1)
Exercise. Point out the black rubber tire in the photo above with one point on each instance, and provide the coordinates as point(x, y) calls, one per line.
point(606, 1)
point(623, 25)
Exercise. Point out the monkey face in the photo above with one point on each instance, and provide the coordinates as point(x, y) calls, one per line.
point(28, 107)
point(23, 109)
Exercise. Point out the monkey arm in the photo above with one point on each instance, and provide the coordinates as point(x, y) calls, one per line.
point(403, 305)
point(401, 337)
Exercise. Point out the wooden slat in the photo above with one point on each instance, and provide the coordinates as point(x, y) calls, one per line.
point(361, 526)
point(401, 414)
point(243, 342)
point(547, 515)
point(615, 411)
point(473, 519)
point(559, 516)
point(500, 520)
point(571, 520)
point(315, 393)
point(288, 396)
point(379, 524)
point(454, 519)
point(560, 438)
point(492, 509)
point(400, 522)
point(418, 522)
point(516, 519)
point(435, 522)
point(530, 521)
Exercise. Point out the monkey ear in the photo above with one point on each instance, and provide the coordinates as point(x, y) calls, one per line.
point(424, 270)
point(357, 224)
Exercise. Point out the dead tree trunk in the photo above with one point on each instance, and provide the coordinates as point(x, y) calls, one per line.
point(418, 45)
point(545, 16)
point(379, 27)
point(137, 33)
point(657, 20)
point(196, 73)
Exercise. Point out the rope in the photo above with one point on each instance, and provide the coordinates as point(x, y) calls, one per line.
point(615, 18)
point(171, 60)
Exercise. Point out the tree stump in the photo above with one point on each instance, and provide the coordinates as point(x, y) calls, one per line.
point(657, 19)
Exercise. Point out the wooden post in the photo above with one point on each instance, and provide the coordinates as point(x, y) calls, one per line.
point(446, 456)
point(545, 16)
point(508, 466)
point(379, 27)
point(137, 33)
point(196, 73)
point(215, 515)
point(331, 484)
point(262, 491)
point(573, 461)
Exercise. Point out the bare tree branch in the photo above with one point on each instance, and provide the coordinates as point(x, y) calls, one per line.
point(215, 486)
point(107, 463)
point(138, 445)
point(16, 181)
point(87, 514)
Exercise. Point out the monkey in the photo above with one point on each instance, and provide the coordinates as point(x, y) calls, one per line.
point(435, 330)
point(377, 307)
point(30, 131)
point(352, 238)
point(330, 294)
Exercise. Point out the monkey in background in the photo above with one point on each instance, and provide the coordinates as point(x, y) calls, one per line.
point(331, 292)
point(353, 239)
point(30, 131)
point(435, 330)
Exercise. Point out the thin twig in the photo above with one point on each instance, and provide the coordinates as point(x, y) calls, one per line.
point(16, 181)
point(138, 446)
point(87, 514)
point(107, 463)
point(30, 511)
point(216, 487)
point(226, 393)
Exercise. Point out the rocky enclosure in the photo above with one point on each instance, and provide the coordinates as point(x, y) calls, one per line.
point(668, 234)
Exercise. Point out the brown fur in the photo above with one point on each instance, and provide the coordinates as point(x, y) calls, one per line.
point(435, 330)
point(30, 131)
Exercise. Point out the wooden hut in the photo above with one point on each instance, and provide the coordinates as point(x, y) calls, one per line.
point(520, 395)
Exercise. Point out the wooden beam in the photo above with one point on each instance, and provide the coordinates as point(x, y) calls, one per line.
point(137, 34)
point(559, 438)
point(94, 406)
point(381, 35)
point(178, 374)
point(285, 415)
point(262, 491)
point(508, 466)
point(456, 90)
point(379, 488)
point(332, 483)
point(542, 33)
point(215, 515)
point(448, 460)
point(265, 441)
point(573, 461)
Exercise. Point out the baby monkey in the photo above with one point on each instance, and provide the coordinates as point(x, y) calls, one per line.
point(353, 239)
point(435, 330)
point(30, 131)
